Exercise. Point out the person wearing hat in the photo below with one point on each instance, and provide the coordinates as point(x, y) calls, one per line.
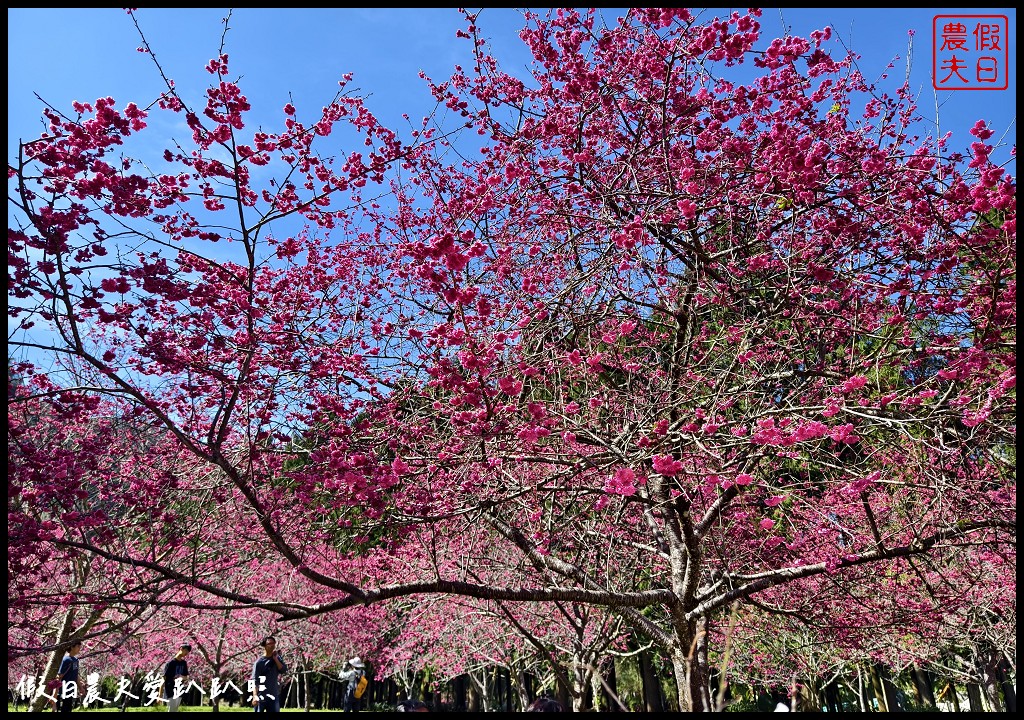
point(353, 673)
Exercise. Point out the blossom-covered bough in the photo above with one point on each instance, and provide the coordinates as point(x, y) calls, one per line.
point(626, 332)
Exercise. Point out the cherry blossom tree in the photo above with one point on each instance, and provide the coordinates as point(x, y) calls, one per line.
point(690, 319)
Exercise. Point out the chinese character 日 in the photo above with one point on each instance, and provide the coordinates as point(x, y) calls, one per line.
point(988, 69)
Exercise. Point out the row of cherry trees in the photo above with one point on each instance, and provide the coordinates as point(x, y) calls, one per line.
point(498, 657)
point(646, 347)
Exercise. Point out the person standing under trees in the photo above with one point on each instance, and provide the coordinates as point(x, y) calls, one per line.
point(354, 672)
point(266, 678)
point(174, 688)
point(69, 686)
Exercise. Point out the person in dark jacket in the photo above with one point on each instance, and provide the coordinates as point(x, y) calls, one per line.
point(69, 687)
point(266, 678)
point(174, 688)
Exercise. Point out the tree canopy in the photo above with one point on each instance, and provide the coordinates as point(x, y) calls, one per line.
point(632, 330)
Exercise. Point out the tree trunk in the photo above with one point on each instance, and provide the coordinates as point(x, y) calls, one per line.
point(287, 695)
point(689, 661)
point(596, 691)
point(523, 688)
point(862, 692)
point(477, 692)
point(892, 698)
point(1009, 693)
point(810, 696)
point(507, 678)
point(653, 700)
point(580, 675)
point(53, 663)
point(876, 685)
point(585, 702)
point(308, 696)
point(955, 697)
point(610, 690)
point(974, 697)
point(923, 687)
point(988, 667)
point(831, 692)
point(459, 690)
point(563, 693)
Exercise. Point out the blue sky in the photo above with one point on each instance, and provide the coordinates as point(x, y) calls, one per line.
point(67, 54)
